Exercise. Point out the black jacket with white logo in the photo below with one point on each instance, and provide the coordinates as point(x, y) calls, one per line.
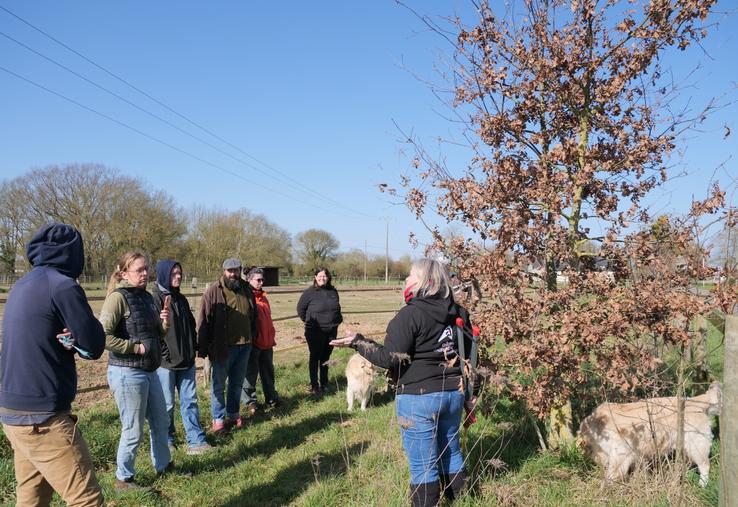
point(421, 346)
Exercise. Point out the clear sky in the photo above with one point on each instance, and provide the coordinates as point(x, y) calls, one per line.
point(308, 93)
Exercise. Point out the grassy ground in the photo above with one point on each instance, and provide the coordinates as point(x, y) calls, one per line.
point(314, 453)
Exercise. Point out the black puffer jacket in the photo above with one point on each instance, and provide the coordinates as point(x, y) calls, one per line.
point(421, 347)
point(320, 308)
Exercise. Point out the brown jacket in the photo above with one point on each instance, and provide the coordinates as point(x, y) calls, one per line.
point(212, 322)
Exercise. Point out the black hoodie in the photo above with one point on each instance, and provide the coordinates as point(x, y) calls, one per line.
point(421, 346)
point(37, 373)
point(178, 346)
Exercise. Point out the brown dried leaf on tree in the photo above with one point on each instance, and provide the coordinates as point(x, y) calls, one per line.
point(570, 129)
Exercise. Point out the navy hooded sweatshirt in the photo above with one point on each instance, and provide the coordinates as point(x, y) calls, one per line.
point(37, 374)
point(178, 346)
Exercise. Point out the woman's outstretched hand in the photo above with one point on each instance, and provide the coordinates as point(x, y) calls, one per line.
point(346, 341)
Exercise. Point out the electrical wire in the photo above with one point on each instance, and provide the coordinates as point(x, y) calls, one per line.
point(160, 141)
point(301, 186)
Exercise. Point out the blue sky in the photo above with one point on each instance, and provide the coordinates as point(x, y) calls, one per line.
point(311, 89)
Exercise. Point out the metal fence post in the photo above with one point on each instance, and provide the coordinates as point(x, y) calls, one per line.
point(728, 430)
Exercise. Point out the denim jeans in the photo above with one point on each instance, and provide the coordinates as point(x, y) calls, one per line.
point(429, 427)
point(184, 382)
point(139, 397)
point(234, 370)
point(261, 364)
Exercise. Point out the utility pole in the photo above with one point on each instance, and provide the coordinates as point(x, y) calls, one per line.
point(365, 261)
point(728, 492)
point(386, 254)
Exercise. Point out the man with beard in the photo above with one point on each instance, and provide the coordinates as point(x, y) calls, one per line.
point(226, 328)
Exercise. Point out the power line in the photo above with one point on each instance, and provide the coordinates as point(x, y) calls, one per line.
point(303, 188)
point(154, 115)
point(160, 141)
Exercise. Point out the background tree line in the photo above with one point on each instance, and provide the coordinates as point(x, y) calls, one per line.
point(116, 213)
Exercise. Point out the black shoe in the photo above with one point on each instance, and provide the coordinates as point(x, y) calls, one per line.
point(315, 391)
point(274, 403)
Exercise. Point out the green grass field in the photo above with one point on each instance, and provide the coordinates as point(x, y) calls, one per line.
point(314, 453)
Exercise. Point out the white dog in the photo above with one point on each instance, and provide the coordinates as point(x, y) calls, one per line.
point(619, 435)
point(360, 375)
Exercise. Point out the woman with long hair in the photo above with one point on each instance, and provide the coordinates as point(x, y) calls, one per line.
point(319, 308)
point(133, 329)
point(423, 354)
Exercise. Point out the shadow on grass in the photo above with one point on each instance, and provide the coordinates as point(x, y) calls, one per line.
point(281, 437)
point(292, 481)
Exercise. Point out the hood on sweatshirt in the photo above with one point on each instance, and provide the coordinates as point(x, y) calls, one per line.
point(58, 246)
point(164, 273)
point(441, 309)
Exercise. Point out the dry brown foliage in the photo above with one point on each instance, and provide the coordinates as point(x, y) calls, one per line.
point(570, 123)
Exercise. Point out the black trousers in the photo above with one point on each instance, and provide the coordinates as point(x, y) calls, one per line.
point(320, 352)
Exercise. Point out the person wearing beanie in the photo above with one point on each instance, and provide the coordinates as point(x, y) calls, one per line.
point(177, 368)
point(46, 323)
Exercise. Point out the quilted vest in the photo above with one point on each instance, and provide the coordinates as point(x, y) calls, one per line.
point(142, 326)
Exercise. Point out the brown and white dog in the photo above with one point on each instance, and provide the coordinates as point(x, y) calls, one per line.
point(360, 375)
point(619, 435)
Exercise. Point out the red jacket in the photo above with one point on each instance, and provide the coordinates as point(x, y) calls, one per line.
point(265, 332)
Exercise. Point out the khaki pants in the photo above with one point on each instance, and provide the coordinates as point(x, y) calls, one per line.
point(53, 456)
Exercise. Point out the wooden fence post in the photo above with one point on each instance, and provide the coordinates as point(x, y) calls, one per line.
point(728, 417)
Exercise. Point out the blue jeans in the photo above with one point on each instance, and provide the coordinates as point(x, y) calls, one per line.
point(184, 381)
point(139, 397)
point(429, 427)
point(234, 370)
point(261, 364)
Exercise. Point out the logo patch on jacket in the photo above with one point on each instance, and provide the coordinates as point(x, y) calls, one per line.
point(446, 343)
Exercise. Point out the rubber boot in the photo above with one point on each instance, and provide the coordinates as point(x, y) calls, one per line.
point(427, 494)
point(454, 485)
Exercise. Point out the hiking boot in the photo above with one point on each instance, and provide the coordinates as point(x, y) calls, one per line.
point(251, 409)
point(274, 403)
point(196, 450)
point(218, 427)
point(238, 422)
point(316, 392)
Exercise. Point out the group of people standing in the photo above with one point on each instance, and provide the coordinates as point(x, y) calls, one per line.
point(153, 338)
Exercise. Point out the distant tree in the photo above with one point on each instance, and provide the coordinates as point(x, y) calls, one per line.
point(216, 234)
point(13, 225)
point(113, 212)
point(315, 248)
point(569, 125)
point(350, 264)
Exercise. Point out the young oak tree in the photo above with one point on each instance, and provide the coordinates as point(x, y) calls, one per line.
point(570, 124)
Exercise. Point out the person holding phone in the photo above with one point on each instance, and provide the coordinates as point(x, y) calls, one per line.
point(47, 322)
point(133, 332)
